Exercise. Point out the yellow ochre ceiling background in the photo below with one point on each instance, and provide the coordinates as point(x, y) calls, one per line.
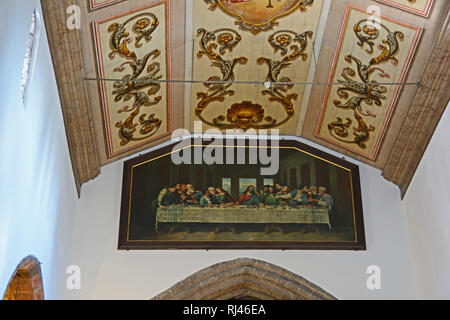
point(133, 47)
point(355, 114)
point(247, 42)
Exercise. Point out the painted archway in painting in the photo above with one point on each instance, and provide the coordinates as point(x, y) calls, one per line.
point(245, 279)
point(26, 282)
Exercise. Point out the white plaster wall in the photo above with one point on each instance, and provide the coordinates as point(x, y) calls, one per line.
point(37, 190)
point(427, 208)
point(111, 274)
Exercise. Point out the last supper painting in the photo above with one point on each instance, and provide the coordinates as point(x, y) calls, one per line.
point(249, 196)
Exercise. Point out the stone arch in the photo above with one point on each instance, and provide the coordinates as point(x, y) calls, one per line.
point(245, 279)
point(26, 282)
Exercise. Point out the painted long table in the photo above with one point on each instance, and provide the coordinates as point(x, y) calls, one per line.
point(243, 215)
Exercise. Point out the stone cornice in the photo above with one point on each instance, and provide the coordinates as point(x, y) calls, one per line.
point(423, 115)
point(66, 50)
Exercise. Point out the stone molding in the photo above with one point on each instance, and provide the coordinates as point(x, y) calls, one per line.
point(66, 51)
point(423, 115)
point(26, 282)
point(244, 278)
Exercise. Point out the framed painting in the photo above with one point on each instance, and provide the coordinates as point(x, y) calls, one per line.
point(240, 194)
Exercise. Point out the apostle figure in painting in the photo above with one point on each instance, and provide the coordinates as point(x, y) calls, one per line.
point(206, 199)
point(181, 189)
point(249, 197)
point(313, 196)
point(263, 193)
point(223, 197)
point(314, 192)
point(325, 199)
point(270, 199)
point(296, 197)
point(282, 190)
point(277, 188)
point(299, 196)
point(213, 196)
point(192, 196)
point(169, 196)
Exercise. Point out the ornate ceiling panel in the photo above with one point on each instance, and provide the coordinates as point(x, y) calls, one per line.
point(356, 113)
point(420, 7)
point(134, 47)
point(248, 41)
point(290, 41)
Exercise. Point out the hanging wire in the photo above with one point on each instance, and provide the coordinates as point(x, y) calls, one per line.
point(253, 82)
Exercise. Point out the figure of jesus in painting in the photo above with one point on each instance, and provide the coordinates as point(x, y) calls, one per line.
point(249, 197)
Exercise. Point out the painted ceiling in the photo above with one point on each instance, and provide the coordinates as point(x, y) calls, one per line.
point(355, 114)
point(132, 48)
point(334, 73)
point(252, 41)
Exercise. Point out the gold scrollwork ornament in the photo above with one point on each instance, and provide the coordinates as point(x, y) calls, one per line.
point(140, 84)
point(364, 90)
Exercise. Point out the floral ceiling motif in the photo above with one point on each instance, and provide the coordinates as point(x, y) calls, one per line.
point(370, 61)
point(226, 54)
point(132, 51)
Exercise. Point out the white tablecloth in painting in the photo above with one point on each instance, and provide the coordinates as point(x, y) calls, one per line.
point(243, 214)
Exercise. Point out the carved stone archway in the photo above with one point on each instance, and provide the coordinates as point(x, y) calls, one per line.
point(26, 282)
point(245, 278)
